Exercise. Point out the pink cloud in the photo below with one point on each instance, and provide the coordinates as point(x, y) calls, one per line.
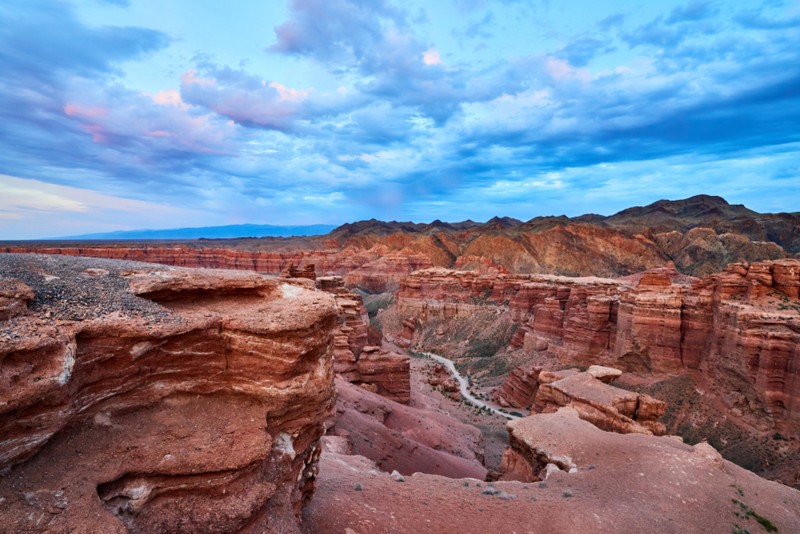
point(77, 110)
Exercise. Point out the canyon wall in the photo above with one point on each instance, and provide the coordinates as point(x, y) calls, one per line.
point(740, 328)
point(139, 398)
point(380, 371)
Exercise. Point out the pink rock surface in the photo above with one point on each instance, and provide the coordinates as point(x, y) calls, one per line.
point(406, 439)
point(620, 483)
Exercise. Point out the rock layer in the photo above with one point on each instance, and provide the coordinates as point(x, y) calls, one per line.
point(143, 398)
point(740, 328)
point(380, 371)
point(700, 235)
point(605, 406)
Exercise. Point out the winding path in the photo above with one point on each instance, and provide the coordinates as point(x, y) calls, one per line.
point(464, 387)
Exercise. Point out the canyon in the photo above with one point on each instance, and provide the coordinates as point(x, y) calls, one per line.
point(733, 337)
point(207, 394)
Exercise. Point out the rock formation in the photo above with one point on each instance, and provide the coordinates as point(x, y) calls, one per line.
point(403, 438)
point(141, 398)
point(308, 271)
point(386, 272)
point(14, 298)
point(441, 378)
point(589, 393)
point(700, 235)
point(740, 328)
point(380, 371)
point(598, 482)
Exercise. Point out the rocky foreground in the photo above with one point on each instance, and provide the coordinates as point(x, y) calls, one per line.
point(586, 480)
point(143, 398)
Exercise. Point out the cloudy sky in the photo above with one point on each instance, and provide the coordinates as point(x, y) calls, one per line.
point(127, 114)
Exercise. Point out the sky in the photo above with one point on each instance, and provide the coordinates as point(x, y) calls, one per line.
point(130, 114)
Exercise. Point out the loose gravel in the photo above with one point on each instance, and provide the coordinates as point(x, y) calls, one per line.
point(75, 288)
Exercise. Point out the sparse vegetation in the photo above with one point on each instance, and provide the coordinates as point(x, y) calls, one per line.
point(375, 303)
point(745, 512)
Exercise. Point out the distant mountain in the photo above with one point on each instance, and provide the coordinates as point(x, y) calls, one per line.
point(213, 232)
point(700, 235)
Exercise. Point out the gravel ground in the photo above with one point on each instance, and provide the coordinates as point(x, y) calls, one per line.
point(73, 288)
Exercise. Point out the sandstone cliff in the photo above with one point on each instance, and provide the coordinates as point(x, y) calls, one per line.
point(593, 398)
point(140, 398)
point(380, 371)
point(740, 328)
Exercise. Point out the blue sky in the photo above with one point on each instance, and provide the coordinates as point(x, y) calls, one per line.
point(126, 114)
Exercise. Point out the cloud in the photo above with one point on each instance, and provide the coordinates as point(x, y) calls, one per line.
point(755, 19)
point(374, 42)
point(611, 21)
point(693, 11)
point(46, 42)
point(245, 99)
point(64, 113)
point(431, 57)
point(40, 209)
point(374, 110)
point(341, 30)
point(582, 50)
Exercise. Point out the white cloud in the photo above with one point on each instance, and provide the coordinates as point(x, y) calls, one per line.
point(432, 57)
point(37, 209)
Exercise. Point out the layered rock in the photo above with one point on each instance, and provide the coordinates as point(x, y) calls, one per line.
point(520, 388)
point(386, 272)
point(703, 251)
point(140, 398)
point(605, 406)
point(740, 328)
point(380, 371)
point(589, 393)
point(327, 261)
point(700, 235)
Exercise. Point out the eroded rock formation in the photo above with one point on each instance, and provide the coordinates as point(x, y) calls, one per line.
point(380, 371)
point(700, 234)
point(590, 394)
point(406, 439)
point(740, 328)
point(141, 398)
